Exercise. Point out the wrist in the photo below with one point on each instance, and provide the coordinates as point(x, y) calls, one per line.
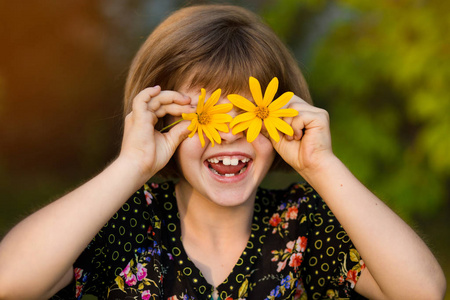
point(132, 168)
point(328, 168)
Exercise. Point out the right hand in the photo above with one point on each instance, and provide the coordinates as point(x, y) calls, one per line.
point(142, 145)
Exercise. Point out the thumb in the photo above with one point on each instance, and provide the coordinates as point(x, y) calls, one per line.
point(177, 134)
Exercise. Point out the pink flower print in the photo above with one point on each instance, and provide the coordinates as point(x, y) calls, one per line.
point(352, 277)
point(78, 290)
point(290, 246)
point(275, 220)
point(292, 213)
point(275, 258)
point(141, 272)
point(148, 197)
point(130, 279)
point(362, 264)
point(78, 273)
point(302, 242)
point(296, 260)
point(281, 265)
point(146, 295)
point(126, 270)
point(299, 291)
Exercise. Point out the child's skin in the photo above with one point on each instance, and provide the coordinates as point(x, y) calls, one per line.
point(399, 265)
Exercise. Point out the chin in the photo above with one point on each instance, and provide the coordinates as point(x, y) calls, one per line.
point(229, 197)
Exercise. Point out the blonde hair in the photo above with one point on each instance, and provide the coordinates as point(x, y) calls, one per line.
point(213, 46)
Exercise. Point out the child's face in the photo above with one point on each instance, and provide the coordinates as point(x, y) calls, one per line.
point(228, 173)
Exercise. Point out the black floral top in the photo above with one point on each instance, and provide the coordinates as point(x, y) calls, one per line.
point(296, 250)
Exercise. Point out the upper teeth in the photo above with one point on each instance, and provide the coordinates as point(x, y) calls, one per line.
point(227, 161)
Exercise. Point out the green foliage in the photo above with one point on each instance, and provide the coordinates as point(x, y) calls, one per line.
point(382, 75)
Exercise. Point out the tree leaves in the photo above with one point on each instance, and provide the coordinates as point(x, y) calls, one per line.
point(382, 72)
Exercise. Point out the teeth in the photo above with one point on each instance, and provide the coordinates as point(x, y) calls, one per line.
point(227, 160)
point(214, 160)
point(230, 161)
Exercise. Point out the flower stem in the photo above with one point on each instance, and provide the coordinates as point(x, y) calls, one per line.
point(170, 125)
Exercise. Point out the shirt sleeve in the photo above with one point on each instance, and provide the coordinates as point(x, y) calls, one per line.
point(110, 250)
point(333, 265)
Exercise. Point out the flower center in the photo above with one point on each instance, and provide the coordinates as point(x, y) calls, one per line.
point(204, 118)
point(262, 112)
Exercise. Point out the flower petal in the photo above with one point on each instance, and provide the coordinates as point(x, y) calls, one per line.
point(221, 118)
point(281, 125)
point(210, 134)
point(241, 102)
point(214, 133)
point(283, 113)
point(270, 92)
point(242, 118)
point(193, 132)
point(189, 117)
point(241, 127)
point(201, 101)
point(221, 108)
point(221, 127)
point(255, 89)
point(281, 101)
point(212, 100)
point(254, 129)
point(193, 125)
point(272, 130)
point(200, 136)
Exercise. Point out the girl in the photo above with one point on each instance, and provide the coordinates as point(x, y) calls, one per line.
point(212, 233)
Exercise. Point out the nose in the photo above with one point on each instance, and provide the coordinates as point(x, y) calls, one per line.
point(229, 137)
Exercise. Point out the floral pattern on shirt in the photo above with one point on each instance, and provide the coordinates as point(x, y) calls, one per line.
point(297, 250)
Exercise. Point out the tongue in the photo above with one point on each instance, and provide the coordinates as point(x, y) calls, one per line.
point(223, 169)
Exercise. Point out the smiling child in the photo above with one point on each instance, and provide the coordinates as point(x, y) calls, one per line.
point(234, 106)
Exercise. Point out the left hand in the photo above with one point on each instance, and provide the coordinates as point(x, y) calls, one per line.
point(310, 146)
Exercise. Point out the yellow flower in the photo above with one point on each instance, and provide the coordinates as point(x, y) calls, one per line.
point(267, 111)
point(209, 118)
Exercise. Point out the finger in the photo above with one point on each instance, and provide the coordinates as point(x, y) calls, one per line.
point(176, 135)
point(298, 125)
point(167, 98)
point(306, 114)
point(144, 96)
point(319, 119)
point(174, 110)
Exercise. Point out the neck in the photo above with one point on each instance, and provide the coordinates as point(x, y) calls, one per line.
point(203, 219)
point(214, 236)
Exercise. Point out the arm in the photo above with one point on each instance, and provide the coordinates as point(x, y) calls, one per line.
point(399, 264)
point(41, 249)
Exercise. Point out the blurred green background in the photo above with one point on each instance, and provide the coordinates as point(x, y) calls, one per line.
point(381, 69)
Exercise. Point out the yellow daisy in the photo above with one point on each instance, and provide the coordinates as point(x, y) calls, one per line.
point(267, 111)
point(209, 118)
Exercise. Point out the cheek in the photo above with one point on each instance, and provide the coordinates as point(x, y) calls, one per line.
point(264, 148)
point(188, 152)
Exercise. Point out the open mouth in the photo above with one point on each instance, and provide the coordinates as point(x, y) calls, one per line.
point(228, 166)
